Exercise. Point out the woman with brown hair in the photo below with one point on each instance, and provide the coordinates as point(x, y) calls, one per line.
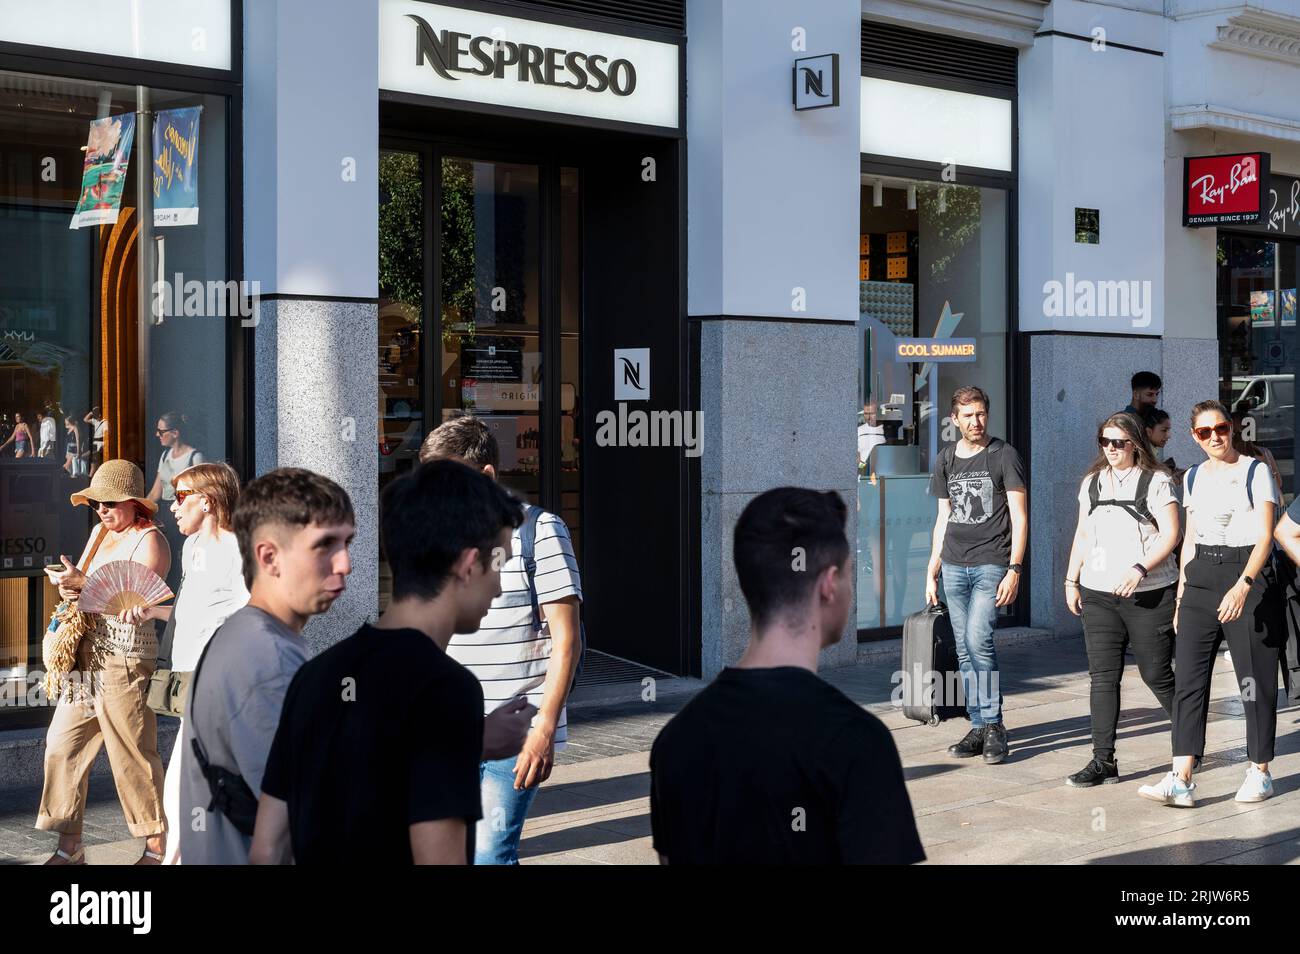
point(113, 660)
point(212, 587)
point(21, 438)
point(1227, 588)
point(1121, 578)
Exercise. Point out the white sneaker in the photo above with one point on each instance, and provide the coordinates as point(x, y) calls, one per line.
point(1172, 790)
point(1257, 787)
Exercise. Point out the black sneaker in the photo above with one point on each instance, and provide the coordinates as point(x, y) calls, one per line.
point(995, 743)
point(970, 746)
point(1095, 772)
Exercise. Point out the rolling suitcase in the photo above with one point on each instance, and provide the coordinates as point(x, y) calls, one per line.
point(931, 684)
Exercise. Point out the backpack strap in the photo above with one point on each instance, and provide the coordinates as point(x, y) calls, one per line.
point(1140, 501)
point(528, 553)
point(1094, 492)
point(1250, 480)
point(1191, 478)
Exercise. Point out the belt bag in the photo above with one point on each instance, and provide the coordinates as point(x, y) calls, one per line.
point(168, 688)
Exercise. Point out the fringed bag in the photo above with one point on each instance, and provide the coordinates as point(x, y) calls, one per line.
point(68, 626)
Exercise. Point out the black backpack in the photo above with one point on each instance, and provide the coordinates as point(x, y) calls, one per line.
point(948, 455)
point(1136, 508)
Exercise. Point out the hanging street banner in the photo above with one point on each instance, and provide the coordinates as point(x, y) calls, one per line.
point(176, 167)
point(103, 177)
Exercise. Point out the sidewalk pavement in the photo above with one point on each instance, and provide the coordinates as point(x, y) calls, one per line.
point(595, 807)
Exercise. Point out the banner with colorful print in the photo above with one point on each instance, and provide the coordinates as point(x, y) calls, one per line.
point(103, 177)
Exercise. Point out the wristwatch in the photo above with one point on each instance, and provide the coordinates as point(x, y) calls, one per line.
point(1016, 567)
point(1250, 580)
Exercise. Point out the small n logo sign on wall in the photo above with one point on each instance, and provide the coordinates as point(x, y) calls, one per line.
point(631, 374)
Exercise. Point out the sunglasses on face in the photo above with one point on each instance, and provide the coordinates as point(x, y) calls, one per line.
point(103, 504)
point(1203, 433)
point(164, 430)
point(1115, 443)
point(183, 495)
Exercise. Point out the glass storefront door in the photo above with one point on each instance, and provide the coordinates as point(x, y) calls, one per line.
point(932, 265)
point(1257, 341)
point(501, 299)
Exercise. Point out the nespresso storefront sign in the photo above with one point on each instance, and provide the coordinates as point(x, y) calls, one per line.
point(477, 57)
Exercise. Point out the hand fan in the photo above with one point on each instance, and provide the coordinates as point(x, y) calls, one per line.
point(116, 587)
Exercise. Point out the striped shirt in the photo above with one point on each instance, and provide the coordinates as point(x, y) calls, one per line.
point(506, 655)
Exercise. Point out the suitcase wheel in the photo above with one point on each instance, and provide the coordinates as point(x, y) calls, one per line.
point(934, 719)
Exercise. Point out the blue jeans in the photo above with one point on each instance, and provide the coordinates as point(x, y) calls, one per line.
point(971, 593)
point(496, 836)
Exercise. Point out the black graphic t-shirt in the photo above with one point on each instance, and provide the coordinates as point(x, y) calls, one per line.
point(979, 522)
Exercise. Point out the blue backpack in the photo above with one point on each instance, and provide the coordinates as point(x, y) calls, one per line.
point(528, 553)
point(1250, 477)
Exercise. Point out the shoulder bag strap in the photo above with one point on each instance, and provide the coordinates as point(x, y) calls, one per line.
point(90, 558)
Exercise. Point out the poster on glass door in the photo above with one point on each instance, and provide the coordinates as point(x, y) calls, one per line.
point(103, 176)
point(176, 167)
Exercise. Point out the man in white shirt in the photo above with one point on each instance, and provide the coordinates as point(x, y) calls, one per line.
point(511, 655)
point(870, 433)
point(49, 433)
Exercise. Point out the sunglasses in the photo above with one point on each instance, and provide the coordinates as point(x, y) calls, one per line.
point(1203, 433)
point(164, 430)
point(101, 504)
point(1116, 443)
point(183, 495)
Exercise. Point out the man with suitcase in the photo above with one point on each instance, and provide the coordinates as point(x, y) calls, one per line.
point(979, 541)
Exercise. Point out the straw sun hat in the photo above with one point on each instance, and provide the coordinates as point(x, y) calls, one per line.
point(115, 481)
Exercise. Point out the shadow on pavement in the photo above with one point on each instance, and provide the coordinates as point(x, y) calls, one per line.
point(584, 836)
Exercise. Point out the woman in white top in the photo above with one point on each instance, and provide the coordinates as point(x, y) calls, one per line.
point(1227, 588)
point(212, 587)
point(1121, 578)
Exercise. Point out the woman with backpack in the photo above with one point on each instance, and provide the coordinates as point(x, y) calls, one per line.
point(1121, 578)
point(1227, 587)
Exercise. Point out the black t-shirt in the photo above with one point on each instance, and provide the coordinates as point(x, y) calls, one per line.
point(979, 521)
point(377, 733)
point(775, 766)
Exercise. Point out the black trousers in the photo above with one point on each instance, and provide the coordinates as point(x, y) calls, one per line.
point(1254, 638)
point(1144, 620)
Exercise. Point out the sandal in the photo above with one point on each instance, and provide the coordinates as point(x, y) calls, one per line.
point(154, 858)
point(61, 857)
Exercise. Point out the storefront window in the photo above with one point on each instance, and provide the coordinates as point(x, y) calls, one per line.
point(932, 266)
point(114, 315)
point(1257, 320)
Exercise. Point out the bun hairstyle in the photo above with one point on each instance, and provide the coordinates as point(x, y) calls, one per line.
point(174, 420)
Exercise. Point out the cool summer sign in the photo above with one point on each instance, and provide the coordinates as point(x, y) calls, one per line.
point(486, 58)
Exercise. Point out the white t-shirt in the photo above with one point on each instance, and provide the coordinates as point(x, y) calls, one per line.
point(49, 433)
point(1219, 506)
point(1118, 540)
point(869, 435)
point(212, 588)
point(506, 655)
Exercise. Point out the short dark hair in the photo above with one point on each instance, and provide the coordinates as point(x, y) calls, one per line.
point(291, 497)
point(433, 514)
point(969, 394)
point(784, 539)
point(1145, 379)
point(466, 437)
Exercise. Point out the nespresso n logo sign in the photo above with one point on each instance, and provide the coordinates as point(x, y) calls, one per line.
point(449, 53)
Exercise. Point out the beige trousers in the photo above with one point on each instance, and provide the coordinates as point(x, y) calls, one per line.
point(115, 717)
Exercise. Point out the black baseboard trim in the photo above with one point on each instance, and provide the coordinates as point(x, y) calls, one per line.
point(783, 321)
point(343, 299)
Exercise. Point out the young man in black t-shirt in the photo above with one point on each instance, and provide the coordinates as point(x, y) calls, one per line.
point(376, 758)
point(769, 764)
point(980, 532)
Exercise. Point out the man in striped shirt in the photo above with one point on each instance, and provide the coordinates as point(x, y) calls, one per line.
point(510, 657)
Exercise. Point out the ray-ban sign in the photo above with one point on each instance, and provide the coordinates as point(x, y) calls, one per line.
point(817, 81)
point(1224, 190)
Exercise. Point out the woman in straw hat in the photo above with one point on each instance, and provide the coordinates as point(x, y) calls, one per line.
point(105, 703)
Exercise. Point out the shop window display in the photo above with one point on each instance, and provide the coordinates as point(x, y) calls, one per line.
point(114, 317)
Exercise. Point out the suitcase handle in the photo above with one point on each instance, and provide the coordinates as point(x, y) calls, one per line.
point(936, 609)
